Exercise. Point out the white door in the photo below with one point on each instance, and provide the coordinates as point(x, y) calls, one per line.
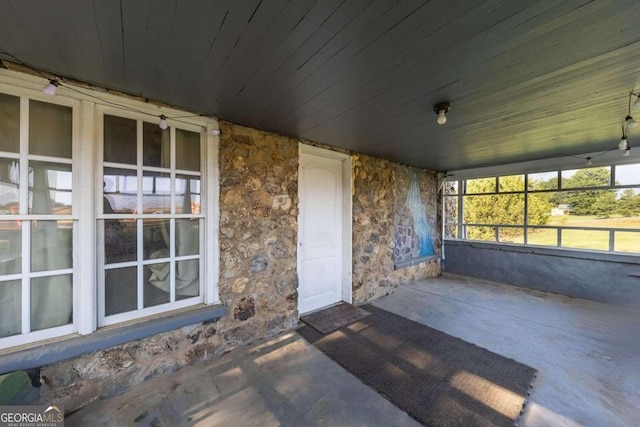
point(320, 235)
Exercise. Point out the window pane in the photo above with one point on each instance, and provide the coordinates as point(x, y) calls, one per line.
point(494, 209)
point(628, 206)
point(586, 208)
point(511, 235)
point(542, 181)
point(542, 236)
point(451, 231)
point(511, 183)
point(156, 192)
point(187, 279)
point(481, 185)
point(156, 149)
point(121, 290)
point(9, 124)
point(120, 240)
point(627, 241)
point(585, 239)
point(187, 236)
point(156, 237)
point(588, 177)
point(187, 150)
point(187, 194)
point(451, 188)
point(481, 233)
point(10, 247)
point(540, 207)
point(157, 284)
point(49, 188)
point(120, 136)
point(9, 188)
point(120, 191)
point(451, 210)
point(11, 308)
point(51, 301)
point(628, 174)
point(51, 245)
point(49, 129)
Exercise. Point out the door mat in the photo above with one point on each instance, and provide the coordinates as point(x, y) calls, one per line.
point(438, 379)
point(332, 318)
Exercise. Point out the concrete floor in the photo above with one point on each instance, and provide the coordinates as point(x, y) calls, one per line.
point(587, 355)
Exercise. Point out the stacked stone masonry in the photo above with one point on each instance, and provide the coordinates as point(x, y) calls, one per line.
point(377, 185)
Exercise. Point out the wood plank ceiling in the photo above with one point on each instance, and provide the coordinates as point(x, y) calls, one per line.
point(527, 80)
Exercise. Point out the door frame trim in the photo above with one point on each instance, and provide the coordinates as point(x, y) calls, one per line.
point(347, 215)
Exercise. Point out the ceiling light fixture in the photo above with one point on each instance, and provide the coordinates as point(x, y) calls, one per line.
point(623, 144)
point(163, 122)
point(630, 122)
point(50, 88)
point(441, 109)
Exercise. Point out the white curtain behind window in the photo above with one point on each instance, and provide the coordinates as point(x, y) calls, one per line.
point(187, 273)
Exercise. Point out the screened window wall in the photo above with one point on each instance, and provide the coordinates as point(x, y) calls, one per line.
point(595, 208)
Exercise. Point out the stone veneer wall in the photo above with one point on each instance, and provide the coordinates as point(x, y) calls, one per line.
point(376, 185)
point(258, 277)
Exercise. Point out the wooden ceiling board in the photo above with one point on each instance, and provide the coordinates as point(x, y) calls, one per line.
point(527, 80)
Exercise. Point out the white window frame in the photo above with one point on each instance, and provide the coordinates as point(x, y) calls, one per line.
point(461, 226)
point(88, 106)
point(141, 311)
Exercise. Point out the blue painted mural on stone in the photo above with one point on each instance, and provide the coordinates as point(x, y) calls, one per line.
point(413, 226)
point(420, 223)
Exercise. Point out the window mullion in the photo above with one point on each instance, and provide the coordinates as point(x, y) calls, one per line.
point(84, 206)
point(211, 192)
point(26, 279)
point(172, 221)
point(139, 222)
point(24, 210)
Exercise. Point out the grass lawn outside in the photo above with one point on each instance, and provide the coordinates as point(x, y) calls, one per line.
point(625, 241)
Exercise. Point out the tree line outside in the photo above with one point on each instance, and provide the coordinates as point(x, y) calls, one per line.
point(508, 209)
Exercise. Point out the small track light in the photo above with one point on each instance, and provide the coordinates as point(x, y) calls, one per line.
point(50, 88)
point(589, 161)
point(163, 122)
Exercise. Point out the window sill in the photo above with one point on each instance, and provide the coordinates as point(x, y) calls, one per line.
point(550, 251)
point(39, 355)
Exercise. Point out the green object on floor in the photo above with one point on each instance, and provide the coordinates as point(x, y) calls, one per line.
point(13, 386)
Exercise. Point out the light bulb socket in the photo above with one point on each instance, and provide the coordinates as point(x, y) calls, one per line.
point(163, 122)
point(50, 88)
point(441, 109)
point(623, 144)
point(630, 122)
